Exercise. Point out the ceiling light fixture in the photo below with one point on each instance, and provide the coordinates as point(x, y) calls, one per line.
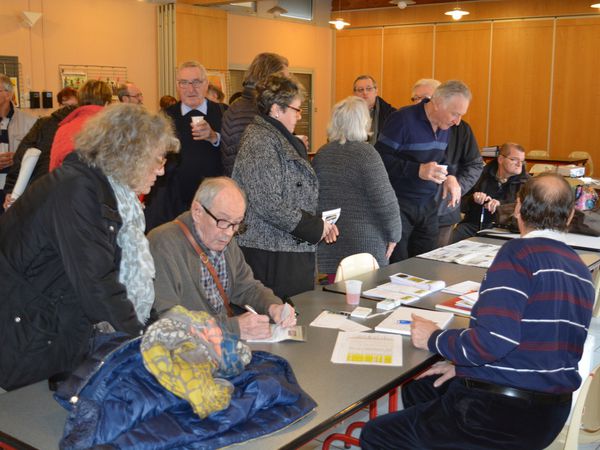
point(339, 23)
point(277, 11)
point(595, 5)
point(456, 12)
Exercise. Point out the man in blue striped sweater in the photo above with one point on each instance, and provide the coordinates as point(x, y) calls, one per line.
point(512, 372)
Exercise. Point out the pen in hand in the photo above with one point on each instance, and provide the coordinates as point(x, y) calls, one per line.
point(250, 309)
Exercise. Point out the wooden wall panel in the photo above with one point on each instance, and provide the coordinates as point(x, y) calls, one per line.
point(201, 34)
point(462, 53)
point(357, 52)
point(520, 83)
point(576, 96)
point(407, 56)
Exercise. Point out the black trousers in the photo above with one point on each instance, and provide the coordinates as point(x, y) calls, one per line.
point(419, 230)
point(287, 273)
point(460, 418)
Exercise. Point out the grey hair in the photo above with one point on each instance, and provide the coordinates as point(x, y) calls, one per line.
point(211, 186)
point(505, 148)
point(365, 77)
point(5, 80)
point(429, 82)
point(192, 64)
point(350, 121)
point(450, 88)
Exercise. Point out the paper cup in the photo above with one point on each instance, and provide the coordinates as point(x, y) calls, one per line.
point(353, 289)
point(197, 119)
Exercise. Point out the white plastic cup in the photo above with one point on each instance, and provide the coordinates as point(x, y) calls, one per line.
point(443, 166)
point(353, 289)
point(197, 119)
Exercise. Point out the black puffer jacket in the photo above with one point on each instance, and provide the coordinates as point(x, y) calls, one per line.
point(235, 120)
point(59, 262)
point(40, 136)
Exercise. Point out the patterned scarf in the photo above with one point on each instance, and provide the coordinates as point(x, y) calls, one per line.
point(137, 266)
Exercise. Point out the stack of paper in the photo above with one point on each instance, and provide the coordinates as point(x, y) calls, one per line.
point(421, 283)
point(463, 287)
point(463, 304)
point(467, 253)
point(400, 292)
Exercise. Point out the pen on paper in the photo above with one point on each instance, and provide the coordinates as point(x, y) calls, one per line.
point(250, 308)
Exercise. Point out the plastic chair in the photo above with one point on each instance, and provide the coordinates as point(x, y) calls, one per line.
point(534, 153)
point(584, 426)
point(589, 165)
point(354, 265)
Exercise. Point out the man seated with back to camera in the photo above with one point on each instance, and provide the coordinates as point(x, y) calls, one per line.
point(499, 183)
point(215, 217)
point(509, 377)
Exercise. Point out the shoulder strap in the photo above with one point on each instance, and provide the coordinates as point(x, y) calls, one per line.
point(207, 263)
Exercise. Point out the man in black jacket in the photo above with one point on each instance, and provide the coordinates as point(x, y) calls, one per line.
point(499, 183)
point(197, 123)
point(365, 87)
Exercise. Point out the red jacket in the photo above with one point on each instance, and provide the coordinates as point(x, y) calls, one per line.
point(63, 143)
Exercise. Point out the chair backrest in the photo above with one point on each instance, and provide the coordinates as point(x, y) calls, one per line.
point(542, 153)
point(596, 310)
point(584, 402)
point(541, 168)
point(589, 165)
point(354, 265)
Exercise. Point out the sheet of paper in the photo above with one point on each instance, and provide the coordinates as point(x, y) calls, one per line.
point(328, 319)
point(401, 289)
point(467, 253)
point(462, 288)
point(367, 349)
point(28, 163)
point(279, 334)
point(332, 215)
point(399, 321)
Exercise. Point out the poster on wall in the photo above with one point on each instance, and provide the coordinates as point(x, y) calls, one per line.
point(16, 97)
point(73, 79)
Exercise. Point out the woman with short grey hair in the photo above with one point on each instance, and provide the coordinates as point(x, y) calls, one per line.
point(72, 248)
point(352, 177)
point(272, 167)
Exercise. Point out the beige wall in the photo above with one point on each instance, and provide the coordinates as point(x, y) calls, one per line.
point(308, 47)
point(532, 66)
point(99, 32)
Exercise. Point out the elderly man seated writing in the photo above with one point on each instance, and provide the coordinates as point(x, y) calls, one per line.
point(199, 266)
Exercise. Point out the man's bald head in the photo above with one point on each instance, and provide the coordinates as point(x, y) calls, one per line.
point(547, 203)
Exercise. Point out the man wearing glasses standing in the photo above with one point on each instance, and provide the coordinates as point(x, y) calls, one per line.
point(130, 93)
point(200, 267)
point(365, 87)
point(499, 183)
point(197, 123)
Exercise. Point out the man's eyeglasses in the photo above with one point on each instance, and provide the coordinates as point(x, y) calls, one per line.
point(136, 96)
point(515, 160)
point(363, 90)
point(223, 224)
point(185, 83)
point(298, 110)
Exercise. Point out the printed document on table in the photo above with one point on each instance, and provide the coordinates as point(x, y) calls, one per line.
point(278, 334)
point(328, 319)
point(376, 349)
point(467, 253)
point(463, 287)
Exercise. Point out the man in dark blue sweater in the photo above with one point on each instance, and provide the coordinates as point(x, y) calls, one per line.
point(413, 146)
point(512, 372)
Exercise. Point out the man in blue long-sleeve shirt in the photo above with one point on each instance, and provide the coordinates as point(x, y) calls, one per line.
point(413, 146)
point(512, 372)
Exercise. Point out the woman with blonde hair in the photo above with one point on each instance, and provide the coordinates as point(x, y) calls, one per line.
point(72, 248)
point(352, 177)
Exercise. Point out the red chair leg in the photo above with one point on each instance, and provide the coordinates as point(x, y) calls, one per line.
point(347, 440)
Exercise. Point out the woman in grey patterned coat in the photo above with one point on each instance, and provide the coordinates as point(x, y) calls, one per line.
point(282, 188)
point(352, 177)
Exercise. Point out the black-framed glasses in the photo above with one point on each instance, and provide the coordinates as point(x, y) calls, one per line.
point(298, 110)
point(223, 224)
point(194, 83)
point(415, 98)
